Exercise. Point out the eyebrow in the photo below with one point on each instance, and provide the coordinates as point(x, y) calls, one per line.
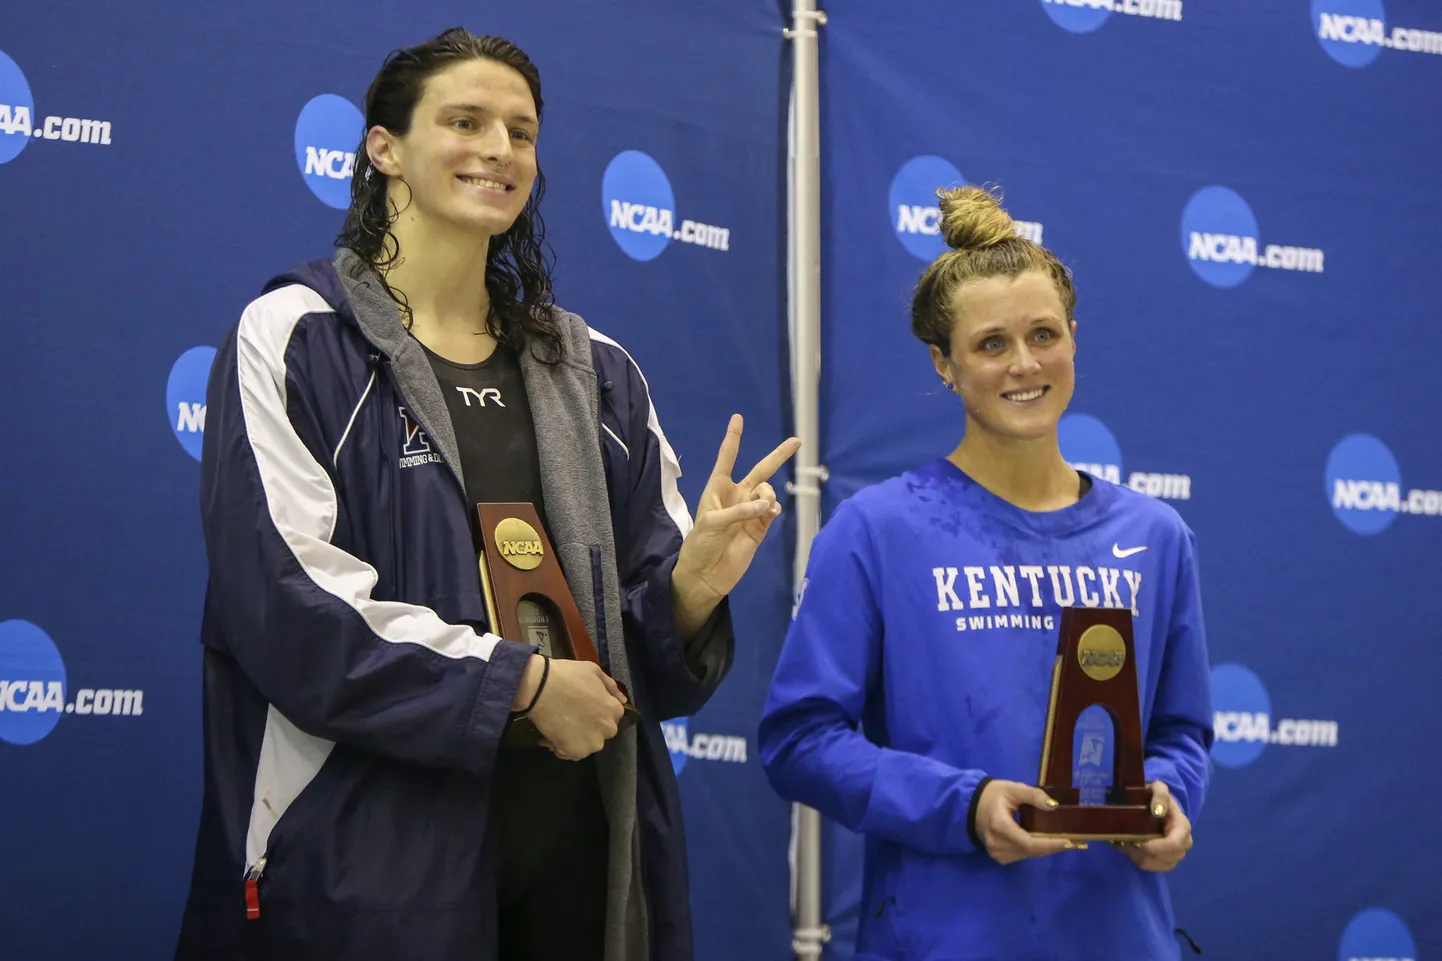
point(997, 329)
point(477, 108)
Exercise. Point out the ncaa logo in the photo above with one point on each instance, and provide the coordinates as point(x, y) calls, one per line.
point(1364, 485)
point(1219, 236)
point(32, 683)
point(676, 742)
point(1376, 934)
point(1243, 715)
point(1352, 32)
point(913, 209)
point(1087, 445)
point(638, 205)
point(326, 135)
point(185, 397)
point(15, 100)
point(1078, 16)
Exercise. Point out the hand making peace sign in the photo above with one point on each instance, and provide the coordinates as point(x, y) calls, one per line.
point(731, 520)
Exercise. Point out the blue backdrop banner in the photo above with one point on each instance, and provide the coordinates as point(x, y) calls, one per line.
point(1248, 196)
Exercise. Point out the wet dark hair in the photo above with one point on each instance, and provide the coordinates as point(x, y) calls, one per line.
point(518, 263)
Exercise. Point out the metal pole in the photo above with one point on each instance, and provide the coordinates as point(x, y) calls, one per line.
point(804, 256)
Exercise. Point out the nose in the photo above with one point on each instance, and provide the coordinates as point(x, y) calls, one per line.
point(495, 144)
point(1025, 362)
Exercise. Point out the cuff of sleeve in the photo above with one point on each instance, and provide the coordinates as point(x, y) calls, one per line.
point(971, 812)
point(921, 802)
point(707, 655)
point(492, 711)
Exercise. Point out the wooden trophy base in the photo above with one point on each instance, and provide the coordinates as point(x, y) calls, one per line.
point(1080, 822)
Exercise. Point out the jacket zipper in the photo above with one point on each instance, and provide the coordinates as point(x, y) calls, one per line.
point(598, 594)
point(392, 454)
point(252, 890)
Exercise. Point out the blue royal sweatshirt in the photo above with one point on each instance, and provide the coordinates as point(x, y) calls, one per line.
point(918, 664)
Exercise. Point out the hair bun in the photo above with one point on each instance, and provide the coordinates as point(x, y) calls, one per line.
point(972, 218)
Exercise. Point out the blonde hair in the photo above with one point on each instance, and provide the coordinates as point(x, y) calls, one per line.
point(984, 244)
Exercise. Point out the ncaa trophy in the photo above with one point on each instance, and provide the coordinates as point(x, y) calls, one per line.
point(1095, 667)
point(528, 600)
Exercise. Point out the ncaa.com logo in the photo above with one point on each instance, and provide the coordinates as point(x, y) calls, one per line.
point(185, 397)
point(1242, 720)
point(1376, 934)
point(19, 123)
point(640, 210)
point(327, 133)
point(1354, 32)
point(1084, 16)
point(1219, 239)
point(702, 747)
point(34, 688)
point(1364, 486)
point(912, 206)
point(1087, 445)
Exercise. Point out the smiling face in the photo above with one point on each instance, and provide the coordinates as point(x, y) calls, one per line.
point(1011, 357)
point(468, 160)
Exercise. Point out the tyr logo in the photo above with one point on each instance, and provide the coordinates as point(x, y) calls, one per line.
point(481, 395)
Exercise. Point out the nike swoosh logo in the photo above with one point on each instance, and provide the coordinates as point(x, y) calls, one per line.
point(1116, 549)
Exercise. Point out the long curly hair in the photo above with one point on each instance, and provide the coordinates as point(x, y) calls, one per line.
point(518, 262)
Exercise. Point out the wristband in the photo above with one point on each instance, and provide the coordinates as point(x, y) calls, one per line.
point(545, 673)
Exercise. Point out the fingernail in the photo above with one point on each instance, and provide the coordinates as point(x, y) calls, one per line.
point(1052, 802)
point(1159, 810)
point(1067, 846)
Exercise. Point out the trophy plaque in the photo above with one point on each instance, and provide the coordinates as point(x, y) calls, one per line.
point(528, 600)
point(1094, 714)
